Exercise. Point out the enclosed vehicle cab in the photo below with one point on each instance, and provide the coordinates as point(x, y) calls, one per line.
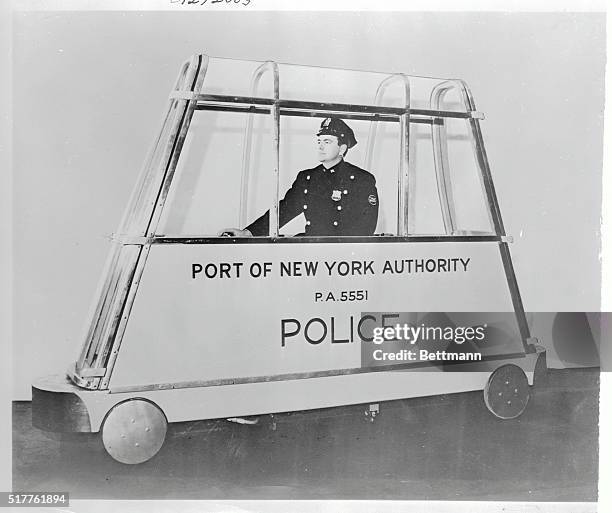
point(188, 324)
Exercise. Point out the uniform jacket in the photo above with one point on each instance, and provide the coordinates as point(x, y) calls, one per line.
point(342, 200)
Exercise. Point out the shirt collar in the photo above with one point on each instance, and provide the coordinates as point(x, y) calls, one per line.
point(335, 167)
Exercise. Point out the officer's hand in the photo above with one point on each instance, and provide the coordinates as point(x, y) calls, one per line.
point(234, 232)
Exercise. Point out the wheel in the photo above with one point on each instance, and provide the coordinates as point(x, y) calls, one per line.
point(506, 393)
point(134, 431)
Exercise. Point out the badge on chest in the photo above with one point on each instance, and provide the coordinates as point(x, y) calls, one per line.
point(336, 195)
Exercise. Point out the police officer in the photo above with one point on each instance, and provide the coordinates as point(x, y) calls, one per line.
point(337, 198)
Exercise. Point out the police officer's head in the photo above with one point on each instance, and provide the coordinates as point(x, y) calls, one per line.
point(334, 139)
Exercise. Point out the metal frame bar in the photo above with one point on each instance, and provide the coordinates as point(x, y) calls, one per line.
point(146, 174)
point(198, 68)
point(315, 114)
point(97, 306)
point(405, 180)
point(476, 149)
point(483, 161)
point(176, 143)
point(248, 131)
point(127, 261)
point(124, 272)
point(107, 288)
point(111, 356)
point(440, 153)
point(274, 209)
point(217, 100)
point(495, 212)
point(380, 91)
point(315, 374)
point(358, 239)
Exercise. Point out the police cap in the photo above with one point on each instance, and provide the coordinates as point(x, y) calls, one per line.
point(335, 126)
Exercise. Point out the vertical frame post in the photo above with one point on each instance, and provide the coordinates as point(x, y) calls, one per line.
point(406, 179)
point(440, 153)
point(405, 187)
point(487, 180)
point(247, 138)
point(274, 210)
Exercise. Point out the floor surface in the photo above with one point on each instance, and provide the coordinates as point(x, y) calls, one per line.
point(444, 447)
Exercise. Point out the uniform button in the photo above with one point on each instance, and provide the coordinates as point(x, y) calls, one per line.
point(307, 223)
point(307, 177)
point(305, 191)
point(344, 191)
point(335, 223)
point(305, 207)
point(352, 177)
point(339, 207)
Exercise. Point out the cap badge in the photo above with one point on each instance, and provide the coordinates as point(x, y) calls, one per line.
point(336, 195)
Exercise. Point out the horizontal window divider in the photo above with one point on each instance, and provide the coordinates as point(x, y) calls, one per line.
point(319, 114)
point(376, 239)
point(253, 103)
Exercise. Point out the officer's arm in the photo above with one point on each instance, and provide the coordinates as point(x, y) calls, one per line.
point(289, 207)
point(365, 208)
point(371, 210)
